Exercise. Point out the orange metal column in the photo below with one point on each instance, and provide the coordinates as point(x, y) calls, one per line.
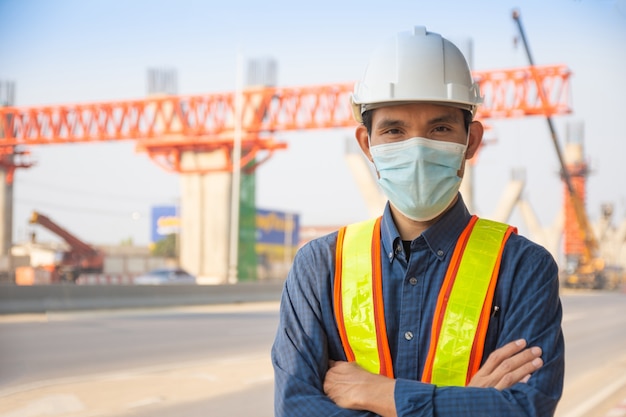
point(573, 237)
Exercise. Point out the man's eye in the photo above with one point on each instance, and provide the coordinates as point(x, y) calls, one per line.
point(441, 129)
point(392, 132)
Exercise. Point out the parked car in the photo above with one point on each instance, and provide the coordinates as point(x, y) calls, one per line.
point(165, 276)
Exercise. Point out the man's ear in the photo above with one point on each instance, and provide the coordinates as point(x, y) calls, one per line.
point(475, 138)
point(363, 140)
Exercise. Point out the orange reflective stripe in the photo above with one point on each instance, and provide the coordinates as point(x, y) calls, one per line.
point(359, 309)
point(384, 355)
point(338, 298)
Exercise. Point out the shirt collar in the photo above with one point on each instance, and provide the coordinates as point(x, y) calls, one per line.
point(440, 237)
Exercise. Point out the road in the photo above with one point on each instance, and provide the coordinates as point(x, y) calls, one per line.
point(214, 360)
point(124, 363)
point(595, 362)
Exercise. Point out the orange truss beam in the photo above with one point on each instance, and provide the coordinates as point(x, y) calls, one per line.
point(515, 93)
point(167, 126)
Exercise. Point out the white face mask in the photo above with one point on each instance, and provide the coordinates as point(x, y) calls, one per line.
point(419, 175)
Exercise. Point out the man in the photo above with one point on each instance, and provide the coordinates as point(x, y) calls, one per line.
point(427, 311)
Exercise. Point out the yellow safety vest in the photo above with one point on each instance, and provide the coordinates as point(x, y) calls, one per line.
point(462, 311)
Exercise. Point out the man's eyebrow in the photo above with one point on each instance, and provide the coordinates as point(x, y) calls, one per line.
point(387, 123)
point(446, 118)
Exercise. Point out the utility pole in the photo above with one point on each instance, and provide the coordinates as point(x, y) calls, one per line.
point(233, 254)
point(7, 98)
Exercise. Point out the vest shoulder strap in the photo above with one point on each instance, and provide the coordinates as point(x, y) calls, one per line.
point(464, 304)
point(358, 297)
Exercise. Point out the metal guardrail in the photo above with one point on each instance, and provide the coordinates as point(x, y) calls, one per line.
point(16, 299)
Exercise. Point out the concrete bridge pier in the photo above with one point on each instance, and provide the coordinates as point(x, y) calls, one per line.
point(205, 214)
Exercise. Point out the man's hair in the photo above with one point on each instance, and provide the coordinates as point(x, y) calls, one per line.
point(367, 120)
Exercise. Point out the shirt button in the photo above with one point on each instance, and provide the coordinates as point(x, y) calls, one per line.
point(413, 280)
point(408, 335)
point(439, 252)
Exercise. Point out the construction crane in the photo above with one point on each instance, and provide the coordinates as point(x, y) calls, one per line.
point(80, 258)
point(584, 269)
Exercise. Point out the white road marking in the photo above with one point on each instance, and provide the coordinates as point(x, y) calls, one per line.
point(573, 316)
point(248, 307)
point(51, 405)
point(129, 374)
point(145, 401)
point(618, 411)
point(597, 399)
point(262, 379)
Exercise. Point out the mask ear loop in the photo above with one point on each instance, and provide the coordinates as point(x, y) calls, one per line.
point(369, 147)
point(465, 160)
point(369, 144)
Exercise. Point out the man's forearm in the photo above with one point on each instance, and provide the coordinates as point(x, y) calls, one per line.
point(350, 386)
point(378, 397)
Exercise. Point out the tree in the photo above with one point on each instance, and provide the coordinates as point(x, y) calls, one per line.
point(166, 247)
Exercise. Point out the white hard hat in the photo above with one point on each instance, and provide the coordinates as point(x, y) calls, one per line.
point(417, 66)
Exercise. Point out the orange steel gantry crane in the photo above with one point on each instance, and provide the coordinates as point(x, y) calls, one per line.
point(167, 126)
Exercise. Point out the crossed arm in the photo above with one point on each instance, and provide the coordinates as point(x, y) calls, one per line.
point(352, 387)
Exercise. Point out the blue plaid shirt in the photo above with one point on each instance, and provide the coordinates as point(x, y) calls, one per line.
point(526, 294)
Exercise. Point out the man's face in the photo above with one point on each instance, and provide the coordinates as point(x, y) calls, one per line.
point(431, 121)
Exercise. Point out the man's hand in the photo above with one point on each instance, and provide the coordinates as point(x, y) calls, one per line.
point(508, 365)
point(351, 386)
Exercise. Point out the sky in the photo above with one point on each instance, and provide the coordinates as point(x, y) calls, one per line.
point(73, 51)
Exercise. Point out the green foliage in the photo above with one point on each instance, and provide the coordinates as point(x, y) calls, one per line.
point(165, 247)
point(127, 242)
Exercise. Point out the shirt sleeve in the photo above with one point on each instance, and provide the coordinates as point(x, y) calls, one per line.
point(300, 351)
point(531, 309)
